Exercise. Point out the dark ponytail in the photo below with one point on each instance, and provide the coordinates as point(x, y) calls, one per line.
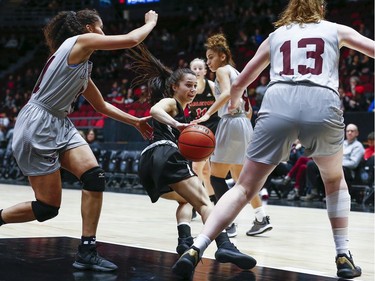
point(149, 70)
point(157, 76)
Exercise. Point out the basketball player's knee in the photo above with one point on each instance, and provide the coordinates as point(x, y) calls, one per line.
point(43, 212)
point(338, 204)
point(94, 179)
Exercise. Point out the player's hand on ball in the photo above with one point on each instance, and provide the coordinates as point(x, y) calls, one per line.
point(182, 126)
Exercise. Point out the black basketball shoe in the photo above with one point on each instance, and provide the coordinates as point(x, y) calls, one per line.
point(89, 259)
point(227, 252)
point(184, 244)
point(346, 267)
point(186, 264)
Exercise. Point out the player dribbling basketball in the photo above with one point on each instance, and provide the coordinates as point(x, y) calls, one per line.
point(163, 171)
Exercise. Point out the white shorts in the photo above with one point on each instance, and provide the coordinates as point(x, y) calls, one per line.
point(233, 135)
point(306, 112)
point(39, 138)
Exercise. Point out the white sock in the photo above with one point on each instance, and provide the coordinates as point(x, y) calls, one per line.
point(202, 242)
point(340, 236)
point(259, 213)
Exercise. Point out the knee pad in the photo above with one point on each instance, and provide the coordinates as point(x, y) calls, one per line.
point(43, 212)
point(94, 179)
point(338, 204)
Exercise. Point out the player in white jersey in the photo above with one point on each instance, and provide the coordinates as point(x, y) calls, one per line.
point(45, 139)
point(301, 102)
point(233, 133)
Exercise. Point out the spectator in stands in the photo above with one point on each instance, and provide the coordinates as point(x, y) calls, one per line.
point(355, 95)
point(261, 89)
point(92, 140)
point(343, 98)
point(129, 97)
point(163, 171)
point(369, 157)
point(118, 97)
point(294, 168)
point(354, 67)
point(4, 123)
point(371, 107)
point(114, 91)
point(352, 157)
point(369, 150)
point(257, 38)
point(141, 107)
point(2, 135)
point(124, 86)
point(242, 39)
point(45, 140)
point(319, 125)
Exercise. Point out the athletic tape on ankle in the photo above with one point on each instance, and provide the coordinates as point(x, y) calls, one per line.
point(338, 204)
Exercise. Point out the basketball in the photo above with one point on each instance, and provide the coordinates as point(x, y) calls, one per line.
point(196, 143)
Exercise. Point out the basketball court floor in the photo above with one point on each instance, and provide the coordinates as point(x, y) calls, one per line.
point(140, 237)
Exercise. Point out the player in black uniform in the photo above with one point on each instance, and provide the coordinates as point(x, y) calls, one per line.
point(163, 171)
point(202, 102)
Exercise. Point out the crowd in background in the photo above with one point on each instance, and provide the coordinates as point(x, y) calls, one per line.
point(175, 42)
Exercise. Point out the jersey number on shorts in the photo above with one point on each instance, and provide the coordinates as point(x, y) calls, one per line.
point(286, 49)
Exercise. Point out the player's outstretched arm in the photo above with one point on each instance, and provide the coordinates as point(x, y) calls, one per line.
point(94, 97)
point(349, 37)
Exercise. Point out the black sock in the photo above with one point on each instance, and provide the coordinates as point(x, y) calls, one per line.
point(223, 237)
point(213, 199)
point(219, 185)
point(184, 231)
point(1, 219)
point(88, 241)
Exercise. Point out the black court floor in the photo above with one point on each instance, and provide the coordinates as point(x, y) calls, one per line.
point(42, 259)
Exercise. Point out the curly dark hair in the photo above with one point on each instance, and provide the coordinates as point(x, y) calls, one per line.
point(218, 43)
point(67, 24)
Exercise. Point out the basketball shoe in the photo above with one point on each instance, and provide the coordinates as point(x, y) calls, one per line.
point(89, 259)
point(231, 230)
point(184, 244)
point(260, 227)
point(185, 265)
point(346, 267)
point(227, 252)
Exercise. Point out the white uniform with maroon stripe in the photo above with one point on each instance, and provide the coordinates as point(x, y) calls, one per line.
point(311, 53)
point(301, 100)
point(43, 130)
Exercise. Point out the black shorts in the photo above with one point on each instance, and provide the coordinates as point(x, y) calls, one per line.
point(161, 166)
